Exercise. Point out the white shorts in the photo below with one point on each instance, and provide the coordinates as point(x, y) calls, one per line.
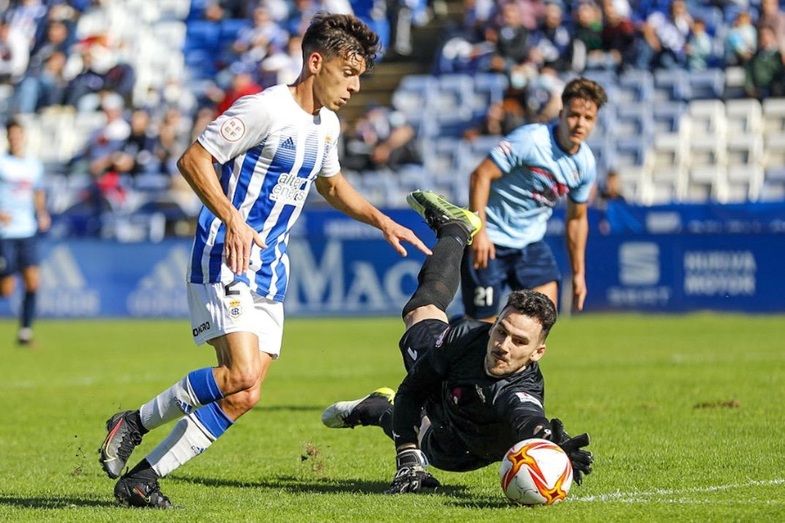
point(218, 309)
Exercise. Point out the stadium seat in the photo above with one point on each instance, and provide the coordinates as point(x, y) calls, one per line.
point(671, 85)
point(707, 150)
point(708, 84)
point(704, 183)
point(630, 151)
point(661, 192)
point(667, 116)
point(414, 95)
point(451, 104)
point(708, 117)
point(744, 116)
point(774, 115)
point(634, 86)
point(735, 77)
point(774, 151)
point(744, 149)
point(488, 89)
point(633, 120)
point(744, 180)
point(670, 155)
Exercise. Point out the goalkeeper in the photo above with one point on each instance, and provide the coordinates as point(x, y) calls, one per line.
point(473, 389)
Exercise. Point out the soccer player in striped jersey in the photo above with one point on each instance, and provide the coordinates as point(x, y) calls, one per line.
point(271, 147)
point(22, 215)
point(514, 191)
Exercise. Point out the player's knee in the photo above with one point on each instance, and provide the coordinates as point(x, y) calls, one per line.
point(244, 401)
point(242, 379)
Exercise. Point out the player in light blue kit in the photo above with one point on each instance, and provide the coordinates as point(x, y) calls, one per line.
point(22, 215)
point(271, 147)
point(514, 191)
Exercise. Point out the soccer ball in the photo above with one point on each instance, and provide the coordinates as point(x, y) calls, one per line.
point(536, 472)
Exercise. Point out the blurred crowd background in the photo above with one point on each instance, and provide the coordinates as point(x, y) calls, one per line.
point(112, 91)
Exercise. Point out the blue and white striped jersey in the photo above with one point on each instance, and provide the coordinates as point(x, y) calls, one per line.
point(19, 179)
point(270, 151)
point(536, 173)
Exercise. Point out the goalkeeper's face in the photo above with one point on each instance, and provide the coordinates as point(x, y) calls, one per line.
point(515, 341)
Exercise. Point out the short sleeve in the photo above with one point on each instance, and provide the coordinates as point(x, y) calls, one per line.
point(510, 150)
point(238, 129)
point(331, 164)
point(588, 171)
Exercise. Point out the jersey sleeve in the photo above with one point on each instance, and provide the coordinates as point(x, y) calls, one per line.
point(588, 167)
point(331, 165)
point(239, 128)
point(523, 411)
point(511, 150)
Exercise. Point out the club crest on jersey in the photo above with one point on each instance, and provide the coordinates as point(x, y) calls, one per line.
point(232, 129)
point(235, 308)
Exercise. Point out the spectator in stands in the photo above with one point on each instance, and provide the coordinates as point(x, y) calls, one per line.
point(136, 155)
point(101, 147)
point(664, 37)
point(56, 39)
point(25, 16)
point(243, 84)
point(502, 117)
point(765, 71)
point(771, 16)
point(171, 141)
point(587, 49)
point(253, 42)
point(510, 38)
point(698, 48)
point(101, 71)
point(542, 96)
point(300, 16)
point(551, 41)
point(741, 40)
point(283, 66)
point(14, 53)
point(618, 36)
point(42, 88)
point(381, 138)
point(611, 188)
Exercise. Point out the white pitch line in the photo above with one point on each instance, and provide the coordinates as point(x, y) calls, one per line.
point(640, 496)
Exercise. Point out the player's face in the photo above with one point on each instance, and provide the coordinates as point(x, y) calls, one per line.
point(336, 79)
point(576, 122)
point(515, 341)
point(16, 140)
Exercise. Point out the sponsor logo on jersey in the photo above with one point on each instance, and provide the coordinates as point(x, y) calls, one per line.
point(440, 340)
point(528, 398)
point(232, 129)
point(290, 189)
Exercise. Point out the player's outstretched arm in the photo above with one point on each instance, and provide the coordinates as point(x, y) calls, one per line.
point(196, 166)
point(340, 194)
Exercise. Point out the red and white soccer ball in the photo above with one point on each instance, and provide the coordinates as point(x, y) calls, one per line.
point(536, 472)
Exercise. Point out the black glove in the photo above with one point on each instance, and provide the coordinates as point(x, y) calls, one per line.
point(411, 475)
point(581, 460)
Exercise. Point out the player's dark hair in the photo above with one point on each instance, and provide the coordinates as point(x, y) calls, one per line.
point(11, 123)
point(534, 305)
point(341, 35)
point(585, 89)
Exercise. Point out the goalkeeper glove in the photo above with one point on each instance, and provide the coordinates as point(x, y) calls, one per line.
point(581, 460)
point(411, 475)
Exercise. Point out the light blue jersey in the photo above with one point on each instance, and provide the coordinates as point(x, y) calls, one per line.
point(270, 152)
point(536, 172)
point(19, 179)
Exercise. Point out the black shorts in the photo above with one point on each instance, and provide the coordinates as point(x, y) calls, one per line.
point(513, 269)
point(419, 339)
point(17, 254)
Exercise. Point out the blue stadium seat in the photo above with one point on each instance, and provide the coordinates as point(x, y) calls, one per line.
point(634, 120)
point(667, 116)
point(452, 99)
point(671, 84)
point(488, 89)
point(707, 84)
point(414, 96)
point(203, 35)
point(630, 151)
point(635, 86)
point(231, 27)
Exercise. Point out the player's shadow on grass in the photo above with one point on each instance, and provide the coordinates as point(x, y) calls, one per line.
point(53, 502)
point(312, 485)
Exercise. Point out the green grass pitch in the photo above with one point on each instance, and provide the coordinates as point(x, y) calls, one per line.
point(685, 413)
